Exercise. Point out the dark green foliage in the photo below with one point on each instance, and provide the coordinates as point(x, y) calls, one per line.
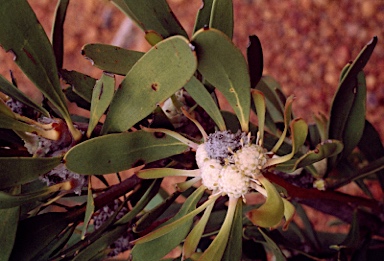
point(147, 131)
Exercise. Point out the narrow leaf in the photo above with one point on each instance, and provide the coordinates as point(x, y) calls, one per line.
point(101, 244)
point(200, 94)
point(350, 94)
point(37, 232)
point(111, 58)
point(58, 31)
point(20, 170)
point(287, 120)
point(233, 251)
point(255, 60)
point(8, 200)
point(116, 152)
point(273, 247)
point(7, 122)
point(12, 91)
point(216, 249)
point(371, 146)
point(156, 173)
point(193, 238)
point(8, 226)
point(275, 108)
point(222, 16)
point(259, 101)
point(153, 37)
point(289, 212)
point(89, 210)
point(148, 83)
point(156, 245)
point(155, 15)
point(101, 98)
point(22, 34)
point(323, 150)
point(203, 15)
point(228, 73)
point(81, 84)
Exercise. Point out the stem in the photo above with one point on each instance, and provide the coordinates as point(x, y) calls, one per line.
point(303, 193)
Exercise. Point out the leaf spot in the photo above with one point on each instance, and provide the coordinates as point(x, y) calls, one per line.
point(29, 56)
point(154, 86)
point(159, 135)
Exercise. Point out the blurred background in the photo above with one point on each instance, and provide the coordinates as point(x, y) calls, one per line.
point(306, 43)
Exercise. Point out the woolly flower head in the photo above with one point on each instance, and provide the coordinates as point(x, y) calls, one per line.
point(228, 162)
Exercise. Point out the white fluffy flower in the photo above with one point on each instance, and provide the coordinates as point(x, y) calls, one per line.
point(210, 174)
point(201, 155)
point(233, 182)
point(250, 159)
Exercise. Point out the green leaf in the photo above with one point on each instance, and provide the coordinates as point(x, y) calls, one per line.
point(287, 120)
point(289, 212)
point(228, 73)
point(149, 82)
point(156, 173)
point(259, 101)
point(273, 247)
point(222, 16)
point(154, 246)
point(8, 200)
point(12, 91)
point(111, 58)
point(192, 240)
point(153, 37)
point(8, 226)
point(275, 108)
point(101, 244)
point(308, 229)
point(272, 211)
point(150, 216)
point(202, 97)
point(347, 112)
point(154, 15)
point(81, 84)
point(58, 31)
point(152, 191)
point(233, 251)
point(116, 152)
point(323, 150)
point(353, 239)
point(8, 122)
point(74, 97)
point(37, 232)
point(299, 132)
point(216, 249)
point(22, 34)
point(89, 210)
point(255, 60)
point(203, 15)
point(101, 98)
point(20, 170)
point(372, 148)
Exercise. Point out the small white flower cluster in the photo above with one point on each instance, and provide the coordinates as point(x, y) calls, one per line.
point(229, 162)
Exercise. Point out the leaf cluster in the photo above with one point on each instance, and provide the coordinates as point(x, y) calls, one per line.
point(39, 222)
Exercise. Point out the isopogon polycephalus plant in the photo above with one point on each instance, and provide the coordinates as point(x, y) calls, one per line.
point(230, 164)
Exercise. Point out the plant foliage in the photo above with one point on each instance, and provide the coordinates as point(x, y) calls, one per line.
point(164, 120)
